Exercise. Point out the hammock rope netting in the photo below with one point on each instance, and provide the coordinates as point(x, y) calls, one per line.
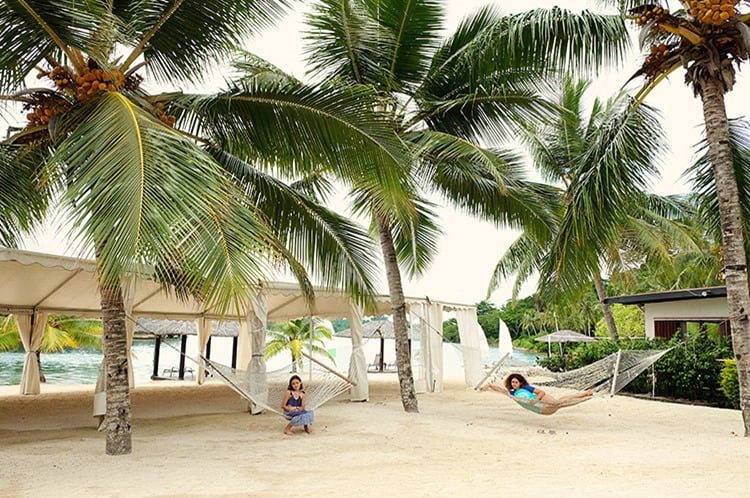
point(266, 389)
point(606, 376)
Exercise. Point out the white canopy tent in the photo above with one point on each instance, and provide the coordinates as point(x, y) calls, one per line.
point(34, 285)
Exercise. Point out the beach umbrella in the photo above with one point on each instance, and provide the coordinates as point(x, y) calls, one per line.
point(563, 336)
point(379, 329)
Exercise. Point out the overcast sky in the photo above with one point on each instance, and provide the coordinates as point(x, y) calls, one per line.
point(469, 249)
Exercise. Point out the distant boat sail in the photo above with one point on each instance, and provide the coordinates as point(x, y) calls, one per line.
point(504, 342)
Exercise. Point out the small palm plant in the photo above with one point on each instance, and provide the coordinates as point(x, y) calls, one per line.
point(296, 335)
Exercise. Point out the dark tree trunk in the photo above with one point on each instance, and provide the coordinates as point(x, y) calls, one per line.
point(117, 420)
point(601, 293)
point(400, 329)
point(730, 214)
point(42, 378)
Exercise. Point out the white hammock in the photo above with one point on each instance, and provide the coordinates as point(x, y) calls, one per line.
point(267, 389)
point(608, 375)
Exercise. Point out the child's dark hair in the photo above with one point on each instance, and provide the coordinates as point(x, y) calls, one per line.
point(293, 377)
point(521, 380)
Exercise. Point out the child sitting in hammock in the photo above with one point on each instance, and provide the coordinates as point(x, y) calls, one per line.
point(534, 398)
point(293, 406)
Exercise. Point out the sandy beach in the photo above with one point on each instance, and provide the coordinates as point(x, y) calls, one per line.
point(192, 441)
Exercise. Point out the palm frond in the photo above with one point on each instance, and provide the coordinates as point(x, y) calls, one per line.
point(343, 43)
point(560, 40)
point(22, 176)
point(615, 168)
point(140, 193)
point(336, 252)
point(414, 27)
point(523, 258)
point(180, 40)
point(416, 242)
point(700, 176)
point(485, 183)
point(34, 29)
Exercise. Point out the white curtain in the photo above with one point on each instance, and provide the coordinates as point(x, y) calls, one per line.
point(417, 345)
point(434, 341)
point(358, 361)
point(31, 338)
point(471, 344)
point(204, 334)
point(257, 319)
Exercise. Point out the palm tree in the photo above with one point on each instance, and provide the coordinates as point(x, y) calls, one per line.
point(708, 39)
point(147, 180)
point(444, 98)
point(601, 160)
point(297, 335)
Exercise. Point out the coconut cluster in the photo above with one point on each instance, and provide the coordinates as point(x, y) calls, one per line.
point(658, 52)
point(84, 87)
point(95, 81)
point(43, 111)
point(647, 13)
point(713, 12)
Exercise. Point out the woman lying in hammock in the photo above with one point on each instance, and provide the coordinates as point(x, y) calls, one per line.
point(534, 399)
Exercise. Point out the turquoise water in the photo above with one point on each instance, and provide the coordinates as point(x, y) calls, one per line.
point(82, 366)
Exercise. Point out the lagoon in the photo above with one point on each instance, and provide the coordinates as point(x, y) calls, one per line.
point(81, 366)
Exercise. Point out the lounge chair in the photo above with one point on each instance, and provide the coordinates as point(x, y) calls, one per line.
point(376, 363)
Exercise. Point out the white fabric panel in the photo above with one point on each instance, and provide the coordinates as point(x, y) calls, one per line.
point(504, 341)
point(470, 333)
point(100, 393)
point(257, 318)
point(435, 340)
point(416, 333)
point(357, 361)
point(31, 338)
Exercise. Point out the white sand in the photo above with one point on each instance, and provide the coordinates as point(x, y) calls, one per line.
point(193, 440)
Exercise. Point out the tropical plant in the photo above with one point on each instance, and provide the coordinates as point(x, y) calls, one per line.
point(61, 332)
point(600, 161)
point(630, 322)
point(296, 336)
point(444, 97)
point(707, 40)
point(147, 180)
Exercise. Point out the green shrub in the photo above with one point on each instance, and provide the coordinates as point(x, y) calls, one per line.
point(692, 370)
point(730, 383)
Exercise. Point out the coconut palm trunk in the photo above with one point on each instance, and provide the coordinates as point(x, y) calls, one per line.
point(601, 293)
point(117, 420)
point(735, 259)
point(398, 306)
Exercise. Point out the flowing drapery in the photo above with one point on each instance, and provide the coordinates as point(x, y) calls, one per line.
point(357, 361)
point(31, 329)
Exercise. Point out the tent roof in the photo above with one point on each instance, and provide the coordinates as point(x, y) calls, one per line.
point(148, 327)
point(58, 284)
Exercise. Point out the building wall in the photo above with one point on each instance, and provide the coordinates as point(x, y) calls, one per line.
point(714, 308)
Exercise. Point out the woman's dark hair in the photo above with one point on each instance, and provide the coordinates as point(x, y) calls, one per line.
point(521, 380)
point(301, 387)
